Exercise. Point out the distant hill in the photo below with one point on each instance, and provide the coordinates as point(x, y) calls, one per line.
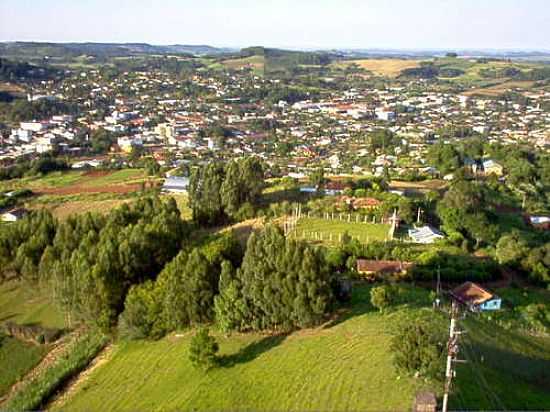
point(14, 71)
point(39, 50)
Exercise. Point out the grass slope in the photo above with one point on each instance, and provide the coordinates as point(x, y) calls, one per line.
point(365, 232)
point(343, 367)
point(28, 305)
point(16, 359)
point(382, 67)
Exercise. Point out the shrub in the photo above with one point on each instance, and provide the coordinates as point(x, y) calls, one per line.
point(382, 297)
point(420, 347)
point(203, 350)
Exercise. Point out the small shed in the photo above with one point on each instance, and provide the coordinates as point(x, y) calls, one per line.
point(14, 215)
point(476, 298)
point(380, 268)
point(425, 402)
point(176, 184)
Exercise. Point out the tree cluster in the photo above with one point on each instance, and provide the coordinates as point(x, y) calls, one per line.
point(218, 192)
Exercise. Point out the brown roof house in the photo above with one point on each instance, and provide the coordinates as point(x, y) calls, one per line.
point(476, 298)
point(373, 269)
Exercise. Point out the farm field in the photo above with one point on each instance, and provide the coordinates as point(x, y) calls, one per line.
point(329, 231)
point(257, 63)
point(343, 365)
point(74, 182)
point(16, 359)
point(24, 305)
point(340, 367)
point(498, 89)
point(382, 67)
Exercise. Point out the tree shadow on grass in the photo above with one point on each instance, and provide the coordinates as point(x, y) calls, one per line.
point(252, 351)
point(357, 306)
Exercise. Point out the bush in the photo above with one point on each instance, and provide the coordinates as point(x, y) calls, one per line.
point(420, 347)
point(203, 350)
point(382, 297)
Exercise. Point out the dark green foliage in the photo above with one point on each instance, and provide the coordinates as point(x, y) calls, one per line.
point(183, 293)
point(23, 242)
point(425, 71)
point(190, 284)
point(95, 260)
point(463, 210)
point(142, 310)
point(102, 140)
point(382, 297)
point(281, 285)
point(44, 164)
point(217, 192)
point(22, 110)
point(203, 349)
point(454, 267)
point(12, 71)
point(383, 139)
point(420, 346)
point(444, 157)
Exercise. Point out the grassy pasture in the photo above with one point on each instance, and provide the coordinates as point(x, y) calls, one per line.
point(75, 179)
point(257, 63)
point(497, 90)
point(25, 304)
point(343, 366)
point(382, 67)
point(364, 232)
point(16, 359)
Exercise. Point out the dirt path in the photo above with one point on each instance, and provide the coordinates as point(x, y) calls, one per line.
point(75, 383)
point(55, 353)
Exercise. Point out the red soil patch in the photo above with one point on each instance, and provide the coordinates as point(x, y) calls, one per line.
point(96, 173)
point(76, 189)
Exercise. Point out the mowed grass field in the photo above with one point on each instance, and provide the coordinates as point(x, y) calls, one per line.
point(26, 304)
point(343, 366)
point(329, 231)
point(383, 67)
point(16, 359)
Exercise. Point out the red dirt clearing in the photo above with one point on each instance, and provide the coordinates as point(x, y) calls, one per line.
point(76, 189)
point(96, 173)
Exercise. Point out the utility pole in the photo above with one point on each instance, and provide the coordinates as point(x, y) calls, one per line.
point(452, 352)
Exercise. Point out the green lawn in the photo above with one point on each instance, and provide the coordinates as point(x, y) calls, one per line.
point(25, 304)
point(51, 180)
point(72, 177)
point(119, 176)
point(330, 230)
point(505, 369)
point(16, 359)
point(346, 366)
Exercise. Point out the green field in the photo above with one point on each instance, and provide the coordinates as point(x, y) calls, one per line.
point(16, 359)
point(344, 366)
point(329, 231)
point(70, 178)
point(25, 304)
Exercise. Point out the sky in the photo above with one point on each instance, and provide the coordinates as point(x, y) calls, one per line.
point(316, 24)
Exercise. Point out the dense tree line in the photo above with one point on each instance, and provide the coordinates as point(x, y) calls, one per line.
point(219, 192)
point(44, 164)
point(280, 285)
point(22, 110)
point(94, 260)
point(90, 261)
